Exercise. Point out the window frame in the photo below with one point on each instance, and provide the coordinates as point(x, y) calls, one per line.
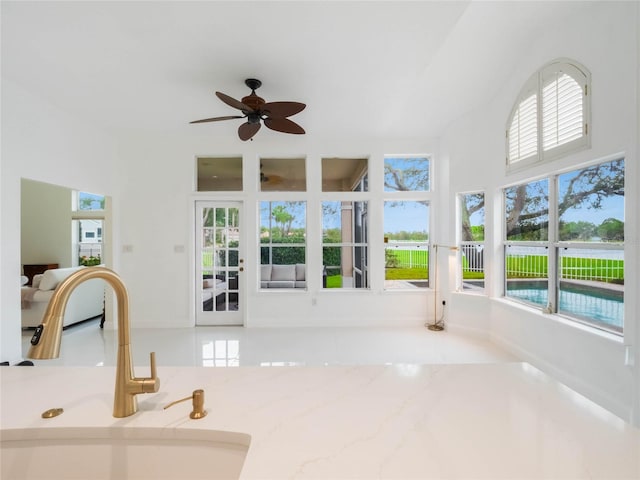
point(426, 196)
point(363, 269)
point(271, 245)
point(536, 84)
point(554, 246)
point(466, 244)
point(78, 215)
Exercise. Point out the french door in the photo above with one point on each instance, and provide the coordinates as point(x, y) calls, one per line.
point(219, 263)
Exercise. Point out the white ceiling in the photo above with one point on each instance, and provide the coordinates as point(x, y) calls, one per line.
point(364, 68)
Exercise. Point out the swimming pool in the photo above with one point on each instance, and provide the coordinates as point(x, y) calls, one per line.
point(598, 306)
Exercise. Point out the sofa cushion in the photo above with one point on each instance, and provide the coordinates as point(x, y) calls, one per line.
point(300, 272)
point(283, 273)
point(35, 281)
point(51, 278)
point(265, 273)
point(282, 284)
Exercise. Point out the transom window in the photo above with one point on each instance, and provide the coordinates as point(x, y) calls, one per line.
point(551, 115)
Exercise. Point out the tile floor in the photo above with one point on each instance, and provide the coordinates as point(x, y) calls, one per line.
point(87, 345)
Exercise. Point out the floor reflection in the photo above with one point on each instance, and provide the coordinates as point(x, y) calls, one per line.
point(405, 347)
point(221, 353)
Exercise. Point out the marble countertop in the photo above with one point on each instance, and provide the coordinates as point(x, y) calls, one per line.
point(493, 421)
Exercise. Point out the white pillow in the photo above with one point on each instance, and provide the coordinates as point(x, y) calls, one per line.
point(35, 281)
point(51, 278)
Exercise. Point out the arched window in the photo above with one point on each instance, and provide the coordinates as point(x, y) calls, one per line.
point(551, 115)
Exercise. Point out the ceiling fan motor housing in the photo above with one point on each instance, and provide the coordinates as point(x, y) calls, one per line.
point(253, 101)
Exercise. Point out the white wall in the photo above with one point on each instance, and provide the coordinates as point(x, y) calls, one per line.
point(159, 216)
point(604, 39)
point(45, 223)
point(40, 142)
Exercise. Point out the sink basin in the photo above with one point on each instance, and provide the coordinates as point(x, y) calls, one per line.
point(122, 453)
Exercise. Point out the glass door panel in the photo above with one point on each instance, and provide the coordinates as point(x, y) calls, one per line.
point(218, 263)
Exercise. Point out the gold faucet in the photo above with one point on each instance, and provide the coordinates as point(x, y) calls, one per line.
point(46, 339)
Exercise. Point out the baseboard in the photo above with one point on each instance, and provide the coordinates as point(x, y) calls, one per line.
point(466, 330)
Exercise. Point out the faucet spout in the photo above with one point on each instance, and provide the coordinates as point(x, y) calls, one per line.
point(46, 340)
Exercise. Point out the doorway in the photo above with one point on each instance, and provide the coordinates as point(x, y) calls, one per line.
point(219, 262)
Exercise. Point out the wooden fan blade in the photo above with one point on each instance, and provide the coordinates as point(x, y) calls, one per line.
point(248, 130)
point(232, 102)
point(283, 125)
point(281, 109)
point(217, 119)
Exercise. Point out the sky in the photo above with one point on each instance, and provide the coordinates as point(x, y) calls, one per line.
point(408, 216)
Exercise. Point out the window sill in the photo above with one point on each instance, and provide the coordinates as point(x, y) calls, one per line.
point(605, 335)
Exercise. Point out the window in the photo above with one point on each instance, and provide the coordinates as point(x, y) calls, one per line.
point(345, 244)
point(90, 201)
point(283, 244)
point(406, 253)
point(283, 175)
point(527, 211)
point(551, 114)
point(344, 175)
point(407, 181)
point(526, 250)
point(569, 259)
point(472, 240)
point(88, 240)
point(345, 223)
point(406, 174)
point(219, 174)
point(87, 221)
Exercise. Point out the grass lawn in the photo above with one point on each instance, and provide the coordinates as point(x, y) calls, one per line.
point(406, 273)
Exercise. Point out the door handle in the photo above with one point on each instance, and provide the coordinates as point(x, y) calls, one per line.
point(241, 269)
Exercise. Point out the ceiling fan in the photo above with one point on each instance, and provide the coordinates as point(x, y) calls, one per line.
point(254, 109)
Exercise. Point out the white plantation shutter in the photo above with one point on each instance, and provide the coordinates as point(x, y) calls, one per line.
point(523, 133)
point(551, 115)
point(562, 110)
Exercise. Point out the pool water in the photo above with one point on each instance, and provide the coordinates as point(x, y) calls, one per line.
point(602, 309)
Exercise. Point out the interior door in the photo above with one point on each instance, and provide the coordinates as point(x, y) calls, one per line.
point(219, 263)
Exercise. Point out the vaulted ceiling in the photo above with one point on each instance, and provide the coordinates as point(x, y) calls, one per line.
point(364, 68)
